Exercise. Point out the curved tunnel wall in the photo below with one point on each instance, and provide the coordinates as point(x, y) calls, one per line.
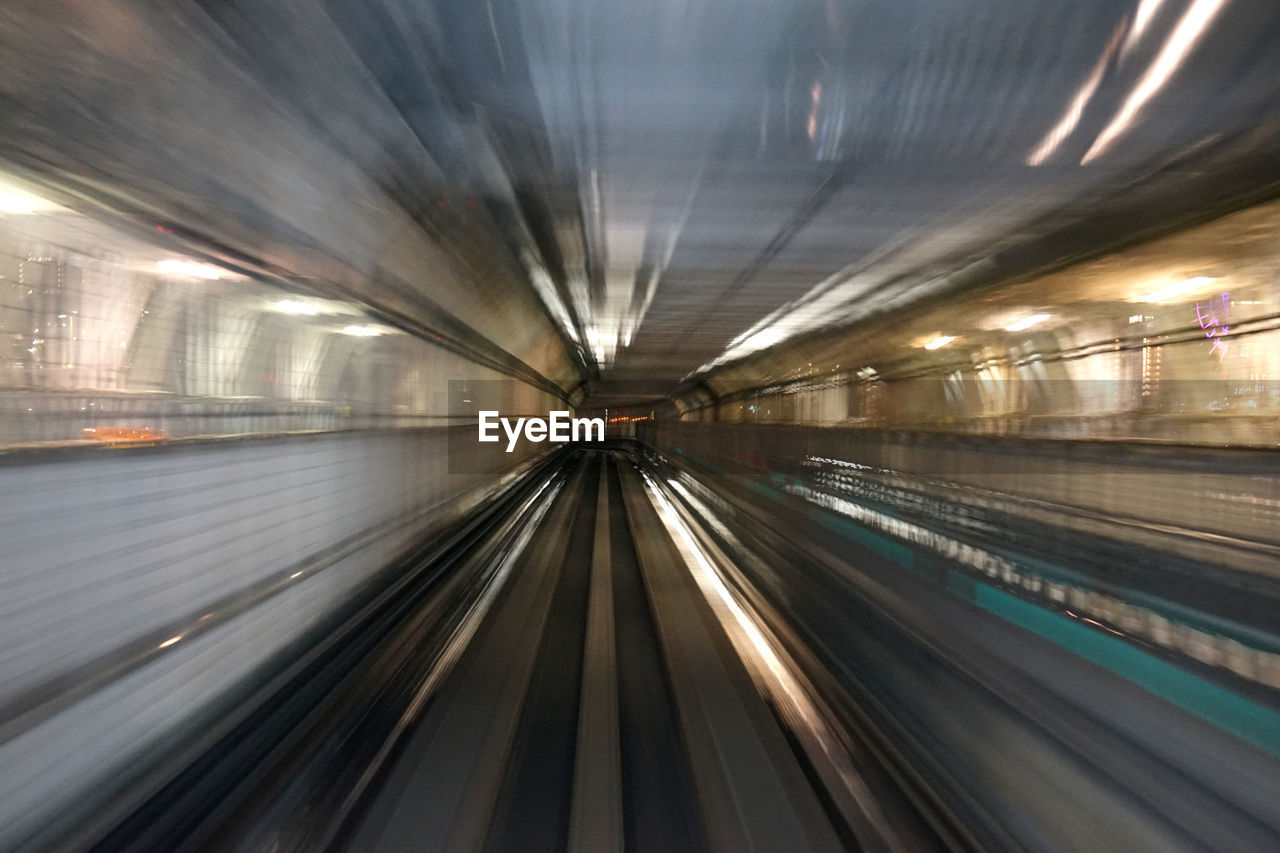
point(104, 330)
point(1174, 340)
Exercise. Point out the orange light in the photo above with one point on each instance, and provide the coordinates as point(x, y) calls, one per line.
point(119, 436)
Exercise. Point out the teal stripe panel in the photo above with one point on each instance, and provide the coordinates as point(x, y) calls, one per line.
point(887, 548)
point(1239, 716)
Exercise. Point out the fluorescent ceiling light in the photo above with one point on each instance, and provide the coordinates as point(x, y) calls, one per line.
point(15, 198)
point(1071, 118)
point(1141, 20)
point(1178, 288)
point(763, 339)
point(17, 202)
point(189, 268)
point(939, 342)
point(293, 306)
point(1027, 322)
point(1192, 26)
point(363, 331)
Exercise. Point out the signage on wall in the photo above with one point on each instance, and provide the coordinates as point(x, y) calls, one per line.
point(1212, 317)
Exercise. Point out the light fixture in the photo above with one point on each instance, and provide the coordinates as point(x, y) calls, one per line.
point(293, 306)
point(1027, 322)
point(16, 198)
point(1178, 288)
point(939, 342)
point(17, 202)
point(189, 268)
point(1186, 33)
point(362, 331)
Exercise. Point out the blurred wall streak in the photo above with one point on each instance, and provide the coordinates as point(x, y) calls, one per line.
point(198, 252)
point(141, 586)
point(306, 441)
point(1214, 496)
point(310, 441)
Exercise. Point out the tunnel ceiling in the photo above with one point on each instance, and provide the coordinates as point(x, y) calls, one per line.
point(657, 188)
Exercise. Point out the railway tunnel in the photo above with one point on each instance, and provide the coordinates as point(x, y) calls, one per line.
point(923, 368)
